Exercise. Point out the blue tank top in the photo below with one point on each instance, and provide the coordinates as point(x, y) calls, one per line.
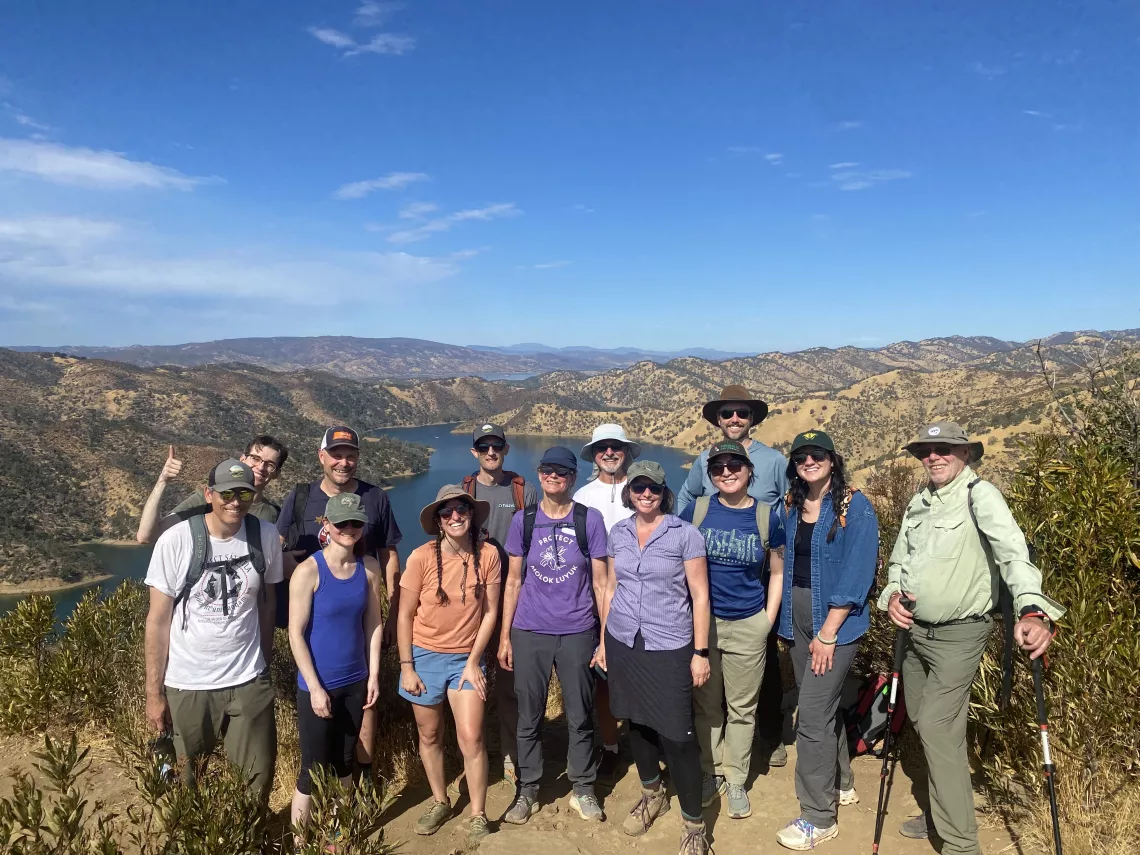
point(335, 633)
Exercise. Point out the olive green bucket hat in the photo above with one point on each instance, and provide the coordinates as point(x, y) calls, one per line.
point(945, 433)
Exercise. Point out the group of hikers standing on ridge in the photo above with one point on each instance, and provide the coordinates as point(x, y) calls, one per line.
point(658, 610)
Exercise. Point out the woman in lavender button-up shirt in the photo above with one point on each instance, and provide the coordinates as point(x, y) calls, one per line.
point(655, 618)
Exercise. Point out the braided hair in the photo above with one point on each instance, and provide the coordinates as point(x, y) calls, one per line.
point(840, 493)
point(480, 587)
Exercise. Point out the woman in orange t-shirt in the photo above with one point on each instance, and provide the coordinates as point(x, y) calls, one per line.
point(448, 608)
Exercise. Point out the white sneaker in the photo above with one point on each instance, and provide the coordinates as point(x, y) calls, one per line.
point(848, 797)
point(802, 835)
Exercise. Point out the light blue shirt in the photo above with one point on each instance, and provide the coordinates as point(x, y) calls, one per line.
point(769, 486)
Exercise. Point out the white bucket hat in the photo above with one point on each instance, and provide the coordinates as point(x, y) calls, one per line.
point(610, 431)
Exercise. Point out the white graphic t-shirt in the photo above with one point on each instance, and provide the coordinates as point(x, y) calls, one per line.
point(605, 499)
point(216, 642)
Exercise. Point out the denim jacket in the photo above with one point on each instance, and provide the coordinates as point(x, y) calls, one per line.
point(842, 572)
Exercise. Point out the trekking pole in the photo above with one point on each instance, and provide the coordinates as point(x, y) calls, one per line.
point(1048, 766)
point(896, 668)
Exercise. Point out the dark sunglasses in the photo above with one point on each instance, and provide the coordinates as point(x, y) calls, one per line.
point(640, 487)
point(816, 454)
point(560, 471)
point(484, 447)
point(942, 449)
point(602, 447)
point(454, 510)
point(727, 413)
point(355, 525)
point(719, 467)
point(240, 495)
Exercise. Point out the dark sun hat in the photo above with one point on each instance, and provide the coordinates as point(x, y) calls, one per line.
point(429, 516)
point(945, 433)
point(735, 394)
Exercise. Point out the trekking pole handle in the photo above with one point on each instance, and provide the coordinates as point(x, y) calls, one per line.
point(1038, 668)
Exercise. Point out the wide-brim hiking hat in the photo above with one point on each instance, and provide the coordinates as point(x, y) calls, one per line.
point(813, 437)
point(735, 394)
point(615, 433)
point(345, 507)
point(429, 519)
point(230, 474)
point(947, 433)
point(650, 469)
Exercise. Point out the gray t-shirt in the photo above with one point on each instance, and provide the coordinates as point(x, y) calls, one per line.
point(502, 500)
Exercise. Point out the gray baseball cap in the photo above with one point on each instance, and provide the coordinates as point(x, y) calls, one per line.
point(650, 469)
point(344, 507)
point(230, 474)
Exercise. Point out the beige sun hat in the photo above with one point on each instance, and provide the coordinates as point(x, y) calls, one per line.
point(429, 519)
point(948, 433)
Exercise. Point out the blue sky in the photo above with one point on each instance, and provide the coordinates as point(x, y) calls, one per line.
point(736, 175)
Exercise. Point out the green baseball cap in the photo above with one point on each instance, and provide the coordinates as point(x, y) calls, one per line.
point(813, 437)
point(650, 469)
point(345, 507)
point(730, 446)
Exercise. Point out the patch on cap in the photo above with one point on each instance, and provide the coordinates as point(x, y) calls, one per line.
point(809, 435)
point(342, 434)
point(237, 472)
point(487, 427)
point(934, 431)
point(349, 499)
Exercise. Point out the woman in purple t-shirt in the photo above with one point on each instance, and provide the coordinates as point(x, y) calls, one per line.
point(655, 618)
point(550, 620)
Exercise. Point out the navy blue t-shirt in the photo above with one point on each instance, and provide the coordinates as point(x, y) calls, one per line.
point(738, 580)
point(380, 532)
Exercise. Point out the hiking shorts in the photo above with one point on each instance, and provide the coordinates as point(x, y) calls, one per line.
point(438, 672)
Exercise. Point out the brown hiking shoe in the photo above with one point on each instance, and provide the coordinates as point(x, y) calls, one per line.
point(693, 840)
point(652, 804)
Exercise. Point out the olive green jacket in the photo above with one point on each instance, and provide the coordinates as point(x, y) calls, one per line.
point(951, 565)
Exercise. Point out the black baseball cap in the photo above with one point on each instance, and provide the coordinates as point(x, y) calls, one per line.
point(487, 429)
point(340, 435)
point(560, 455)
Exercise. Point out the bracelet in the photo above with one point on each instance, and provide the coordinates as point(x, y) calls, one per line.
point(407, 661)
point(823, 640)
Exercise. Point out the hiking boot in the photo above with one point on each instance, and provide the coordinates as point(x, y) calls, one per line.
point(434, 818)
point(738, 804)
point(587, 807)
point(523, 809)
point(608, 765)
point(711, 787)
point(478, 829)
point(917, 827)
point(693, 840)
point(778, 755)
point(801, 835)
point(651, 805)
point(848, 797)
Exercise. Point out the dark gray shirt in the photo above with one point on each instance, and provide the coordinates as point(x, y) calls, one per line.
point(502, 500)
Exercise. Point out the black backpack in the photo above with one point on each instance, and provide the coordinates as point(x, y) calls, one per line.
point(200, 560)
point(530, 518)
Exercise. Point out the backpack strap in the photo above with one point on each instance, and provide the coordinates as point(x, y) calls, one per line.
point(468, 485)
point(763, 517)
point(580, 512)
point(256, 553)
point(701, 510)
point(1005, 605)
point(518, 488)
point(297, 526)
point(530, 515)
point(200, 544)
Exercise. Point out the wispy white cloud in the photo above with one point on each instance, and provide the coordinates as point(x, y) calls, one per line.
point(774, 158)
point(1039, 114)
point(332, 37)
point(847, 164)
point(391, 181)
point(371, 13)
point(27, 121)
point(850, 125)
point(68, 232)
point(548, 265)
point(436, 225)
point(418, 210)
point(853, 180)
point(393, 44)
point(62, 164)
point(985, 70)
point(582, 209)
point(375, 14)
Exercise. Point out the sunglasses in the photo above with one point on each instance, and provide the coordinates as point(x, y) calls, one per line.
point(602, 447)
point(816, 454)
point(718, 468)
point(727, 413)
point(559, 471)
point(240, 495)
point(484, 447)
point(355, 525)
point(942, 449)
point(454, 510)
point(640, 487)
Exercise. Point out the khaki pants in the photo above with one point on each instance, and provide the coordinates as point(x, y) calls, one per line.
point(937, 673)
point(737, 650)
point(251, 733)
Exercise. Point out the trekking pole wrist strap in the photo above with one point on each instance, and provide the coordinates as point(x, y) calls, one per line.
point(828, 642)
point(1048, 620)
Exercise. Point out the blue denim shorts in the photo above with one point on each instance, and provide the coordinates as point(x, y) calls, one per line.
point(438, 672)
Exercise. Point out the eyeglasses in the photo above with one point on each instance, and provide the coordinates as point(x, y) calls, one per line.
point(942, 449)
point(602, 447)
point(640, 487)
point(717, 469)
point(484, 447)
point(559, 471)
point(228, 496)
point(355, 525)
point(816, 454)
point(727, 413)
point(454, 510)
point(258, 460)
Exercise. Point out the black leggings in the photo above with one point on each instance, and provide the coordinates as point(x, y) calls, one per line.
point(682, 758)
point(329, 741)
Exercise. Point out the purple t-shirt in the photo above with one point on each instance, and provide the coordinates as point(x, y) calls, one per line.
point(557, 596)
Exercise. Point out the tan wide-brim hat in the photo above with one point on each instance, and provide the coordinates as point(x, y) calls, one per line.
point(429, 519)
point(735, 394)
point(947, 433)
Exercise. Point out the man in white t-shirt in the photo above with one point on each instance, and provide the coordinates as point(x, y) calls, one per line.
point(611, 452)
point(209, 638)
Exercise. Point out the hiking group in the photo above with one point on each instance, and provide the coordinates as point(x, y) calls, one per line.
point(655, 609)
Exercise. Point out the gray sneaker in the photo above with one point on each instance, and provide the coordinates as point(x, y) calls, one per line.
point(917, 827)
point(523, 809)
point(779, 755)
point(711, 787)
point(738, 805)
point(587, 807)
point(434, 818)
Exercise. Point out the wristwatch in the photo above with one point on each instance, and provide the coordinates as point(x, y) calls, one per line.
point(703, 652)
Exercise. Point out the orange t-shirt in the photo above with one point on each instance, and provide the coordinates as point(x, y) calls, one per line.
point(448, 628)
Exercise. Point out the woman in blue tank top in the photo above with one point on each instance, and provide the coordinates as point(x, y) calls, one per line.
point(334, 633)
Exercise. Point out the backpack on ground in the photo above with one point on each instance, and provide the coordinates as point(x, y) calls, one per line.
point(763, 515)
point(518, 485)
point(530, 519)
point(866, 720)
point(200, 559)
